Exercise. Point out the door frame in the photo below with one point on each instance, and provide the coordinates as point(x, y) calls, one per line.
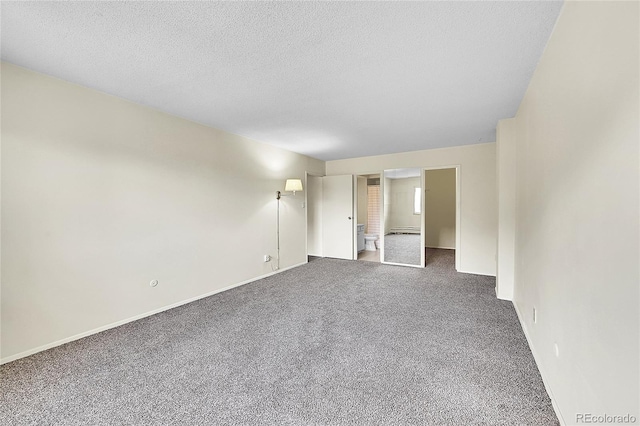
point(354, 216)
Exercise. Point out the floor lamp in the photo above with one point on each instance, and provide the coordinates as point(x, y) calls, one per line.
point(292, 185)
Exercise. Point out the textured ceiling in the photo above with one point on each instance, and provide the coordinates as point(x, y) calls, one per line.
point(327, 79)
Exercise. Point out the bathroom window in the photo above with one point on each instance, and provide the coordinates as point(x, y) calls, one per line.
point(417, 201)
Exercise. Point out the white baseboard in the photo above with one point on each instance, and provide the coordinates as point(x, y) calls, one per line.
point(501, 297)
point(402, 264)
point(475, 273)
point(137, 317)
point(544, 376)
point(440, 247)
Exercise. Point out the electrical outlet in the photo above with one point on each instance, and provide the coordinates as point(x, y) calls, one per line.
point(267, 258)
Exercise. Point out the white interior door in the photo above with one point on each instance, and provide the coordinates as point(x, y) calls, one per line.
point(337, 217)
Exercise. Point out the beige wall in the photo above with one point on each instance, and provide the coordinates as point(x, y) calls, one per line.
point(401, 209)
point(101, 196)
point(577, 211)
point(478, 212)
point(506, 172)
point(440, 208)
point(314, 215)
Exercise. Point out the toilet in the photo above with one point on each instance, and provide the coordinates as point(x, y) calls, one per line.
point(370, 242)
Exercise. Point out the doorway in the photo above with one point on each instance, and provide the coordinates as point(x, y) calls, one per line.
point(442, 213)
point(368, 223)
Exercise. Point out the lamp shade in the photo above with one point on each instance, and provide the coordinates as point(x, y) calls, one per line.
point(293, 185)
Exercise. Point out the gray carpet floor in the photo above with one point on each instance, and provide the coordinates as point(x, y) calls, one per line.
point(402, 248)
point(329, 343)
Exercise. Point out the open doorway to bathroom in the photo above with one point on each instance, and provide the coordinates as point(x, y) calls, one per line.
point(368, 217)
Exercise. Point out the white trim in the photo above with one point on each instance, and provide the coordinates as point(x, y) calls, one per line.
point(383, 230)
point(499, 297)
point(306, 214)
point(137, 317)
point(444, 248)
point(544, 376)
point(475, 273)
point(354, 217)
point(423, 218)
point(404, 264)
